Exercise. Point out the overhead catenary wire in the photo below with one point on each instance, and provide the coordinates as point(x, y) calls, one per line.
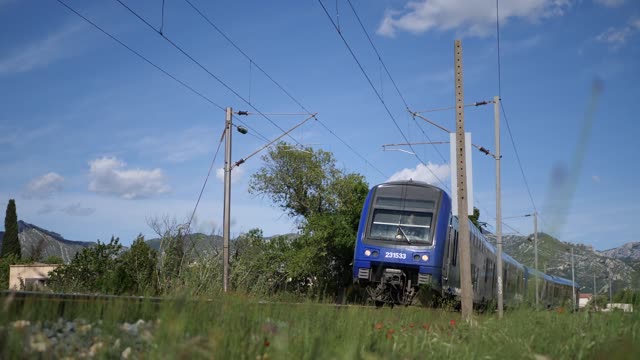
point(515, 149)
point(244, 159)
point(393, 119)
point(404, 101)
point(479, 147)
point(206, 179)
point(154, 65)
point(280, 86)
point(506, 118)
point(145, 59)
point(162, 23)
point(477, 103)
point(215, 77)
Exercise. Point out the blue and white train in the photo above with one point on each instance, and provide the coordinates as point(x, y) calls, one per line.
point(408, 238)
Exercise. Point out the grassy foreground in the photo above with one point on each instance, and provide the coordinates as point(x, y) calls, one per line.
point(238, 328)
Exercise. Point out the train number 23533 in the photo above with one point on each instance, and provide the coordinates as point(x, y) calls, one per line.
point(394, 255)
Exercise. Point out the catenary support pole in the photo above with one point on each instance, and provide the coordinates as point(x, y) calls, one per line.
point(595, 292)
point(573, 279)
point(535, 251)
point(610, 294)
point(496, 116)
point(227, 201)
point(463, 227)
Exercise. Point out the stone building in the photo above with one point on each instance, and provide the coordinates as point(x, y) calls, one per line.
point(30, 276)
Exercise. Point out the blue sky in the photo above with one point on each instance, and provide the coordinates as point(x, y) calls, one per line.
point(95, 141)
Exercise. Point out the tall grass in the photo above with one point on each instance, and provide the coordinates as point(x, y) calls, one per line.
point(237, 327)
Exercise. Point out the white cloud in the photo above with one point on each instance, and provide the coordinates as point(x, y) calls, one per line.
point(76, 209)
point(473, 17)
point(595, 179)
point(615, 37)
point(108, 175)
point(236, 174)
point(431, 173)
point(44, 186)
point(610, 3)
point(42, 52)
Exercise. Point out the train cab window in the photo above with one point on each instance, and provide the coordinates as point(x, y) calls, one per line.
point(402, 226)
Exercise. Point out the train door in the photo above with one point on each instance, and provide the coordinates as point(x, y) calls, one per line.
point(448, 249)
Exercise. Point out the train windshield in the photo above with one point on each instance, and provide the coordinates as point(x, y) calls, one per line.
point(403, 226)
point(403, 214)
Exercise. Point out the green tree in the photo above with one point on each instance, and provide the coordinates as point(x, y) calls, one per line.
point(475, 219)
point(259, 265)
point(307, 185)
point(297, 181)
point(627, 296)
point(10, 241)
point(598, 302)
point(5, 263)
point(137, 269)
point(173, 256)
point(92, 270)
point(53, 259)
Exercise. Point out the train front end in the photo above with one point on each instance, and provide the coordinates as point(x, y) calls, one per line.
point(401, 239)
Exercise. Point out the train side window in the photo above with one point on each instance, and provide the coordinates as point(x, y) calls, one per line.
point(454, 259)
point(486, 270)
point(493, 277)
point(505, 279)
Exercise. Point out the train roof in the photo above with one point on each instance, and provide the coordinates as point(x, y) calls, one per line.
point(563, 281)
point(512, 261)
point(410, 182)
point(551, 278)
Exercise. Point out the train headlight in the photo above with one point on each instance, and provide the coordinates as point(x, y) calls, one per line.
point(367, 252)
point(425, 257)
point(416, 257)
point(374, 253)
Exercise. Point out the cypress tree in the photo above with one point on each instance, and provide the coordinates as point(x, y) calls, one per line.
point(10, 242)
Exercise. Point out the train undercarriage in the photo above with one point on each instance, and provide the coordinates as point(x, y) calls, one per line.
point(393, 286)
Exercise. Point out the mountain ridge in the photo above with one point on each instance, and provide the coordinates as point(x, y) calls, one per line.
point(621, 264)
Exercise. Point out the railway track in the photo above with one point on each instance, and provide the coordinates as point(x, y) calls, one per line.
point(22, 297)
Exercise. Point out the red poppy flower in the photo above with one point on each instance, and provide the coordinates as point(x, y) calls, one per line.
point(425, 326)
point(452, 322)
point(379, 326)
point(390, 333)
point(266, 343)
point(412, 325)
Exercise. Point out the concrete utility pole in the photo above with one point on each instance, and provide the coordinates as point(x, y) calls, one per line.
point(610, 297)
point(535, 251)
point(573, 279)
point(496, 116)
point(463, 224)
point(227, 201)
point(595, 292)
